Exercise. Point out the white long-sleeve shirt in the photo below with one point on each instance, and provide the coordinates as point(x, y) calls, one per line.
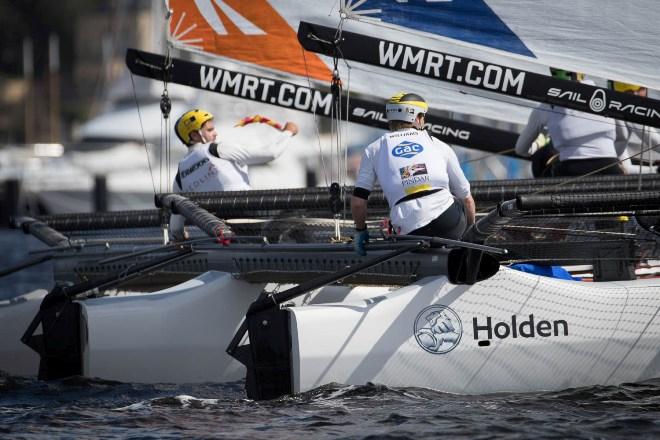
point(640, 142)
point(221, 167)
point(574, 134)
point(409, 161)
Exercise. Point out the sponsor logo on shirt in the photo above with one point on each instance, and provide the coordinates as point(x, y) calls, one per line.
point(412, 170)
point(407, 149)
point(194, 167)
point(415, 178)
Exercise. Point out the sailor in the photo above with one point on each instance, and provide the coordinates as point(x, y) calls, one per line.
point(640, 141)
point(217, 166)
point(421, 178)
point(585, 142)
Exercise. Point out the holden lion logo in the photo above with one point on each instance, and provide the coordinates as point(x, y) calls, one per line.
point(438, 329)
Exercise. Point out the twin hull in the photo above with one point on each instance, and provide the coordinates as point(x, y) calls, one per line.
point(512, 332)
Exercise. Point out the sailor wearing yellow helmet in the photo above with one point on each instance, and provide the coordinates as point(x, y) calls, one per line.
point(217, 166)
point(638, 141)
point(421, 178)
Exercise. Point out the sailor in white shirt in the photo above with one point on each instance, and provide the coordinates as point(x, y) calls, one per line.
point(211, 166)
point(419, 174)
point(639, 141)
point(585, 142)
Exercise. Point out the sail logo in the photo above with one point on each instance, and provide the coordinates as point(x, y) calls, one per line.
point(438, 329)
point(407, 149)
point(598, 102)
point(244, 31)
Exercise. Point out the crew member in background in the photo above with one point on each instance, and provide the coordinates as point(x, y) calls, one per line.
point(639, 141)
point(419, 174)
point(211, 166)
point(585, 142)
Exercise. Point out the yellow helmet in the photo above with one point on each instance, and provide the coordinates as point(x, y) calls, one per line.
point(405, 107)
point(189, 122)
point(619, 86)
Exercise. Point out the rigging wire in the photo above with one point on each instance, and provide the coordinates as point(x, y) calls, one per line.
point(316, 121)
point(144, 139)
point(339, 131)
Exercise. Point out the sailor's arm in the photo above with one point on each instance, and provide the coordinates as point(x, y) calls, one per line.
point(364, 183)
point(622, 136)
point(458, 183)
point(256, 156)
point(537, 120)
point(359, 209)
point(470, 209)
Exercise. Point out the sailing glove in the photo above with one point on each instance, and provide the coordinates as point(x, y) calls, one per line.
point(359, 240)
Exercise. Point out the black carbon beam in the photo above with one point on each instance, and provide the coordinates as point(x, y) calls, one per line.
point(296, 97)
point(479, 74)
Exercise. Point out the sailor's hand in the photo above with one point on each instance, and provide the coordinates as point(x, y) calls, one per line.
point(180, 235)
point(359, 240)
point(292, 127)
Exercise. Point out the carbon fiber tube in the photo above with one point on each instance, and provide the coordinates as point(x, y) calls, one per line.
point(42, 231)
point(103, 220)
point(258, 203)
point(492, 222)
point(588, 202)
point(200, 217)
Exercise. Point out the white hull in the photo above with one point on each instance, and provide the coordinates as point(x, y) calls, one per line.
point(613, 336)
point(596, 333)
point(175, 335)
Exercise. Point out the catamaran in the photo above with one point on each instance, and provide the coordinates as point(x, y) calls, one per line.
point(269, 290)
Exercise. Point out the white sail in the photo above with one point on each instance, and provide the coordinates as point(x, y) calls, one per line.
point(591, 36)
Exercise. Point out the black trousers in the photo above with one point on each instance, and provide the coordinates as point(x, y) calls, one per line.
point(578, 167)
point(450, 224)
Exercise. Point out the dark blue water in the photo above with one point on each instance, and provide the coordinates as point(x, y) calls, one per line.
point(85, 408)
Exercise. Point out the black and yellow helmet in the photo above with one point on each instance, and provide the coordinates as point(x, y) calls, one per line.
point(620, 86)
point(189, 122)
point(405, 107)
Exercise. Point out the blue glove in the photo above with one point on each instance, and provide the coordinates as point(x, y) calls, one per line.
point(359, 240)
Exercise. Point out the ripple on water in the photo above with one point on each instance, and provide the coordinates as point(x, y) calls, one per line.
point(82, 407)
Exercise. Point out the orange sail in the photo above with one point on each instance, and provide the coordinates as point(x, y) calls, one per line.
point(235, 28)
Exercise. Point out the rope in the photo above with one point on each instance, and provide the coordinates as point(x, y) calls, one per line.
point(144, 139)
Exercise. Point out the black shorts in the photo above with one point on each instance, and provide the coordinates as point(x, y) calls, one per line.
point(579, 167)
point(450, 224)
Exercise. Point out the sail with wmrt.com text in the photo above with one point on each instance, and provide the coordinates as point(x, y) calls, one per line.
point(260, 36)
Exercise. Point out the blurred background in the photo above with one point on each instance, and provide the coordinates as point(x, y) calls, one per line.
point(79, 133)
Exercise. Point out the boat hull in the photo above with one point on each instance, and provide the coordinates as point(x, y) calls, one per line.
point(175, 335)
point(512, 332)
point(15, 316)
